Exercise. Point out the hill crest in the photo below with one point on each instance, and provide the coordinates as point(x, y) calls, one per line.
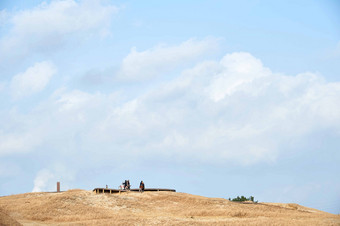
point(150, 208)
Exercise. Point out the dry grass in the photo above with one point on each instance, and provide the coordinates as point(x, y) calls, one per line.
point(79, 207)
point(5, 219)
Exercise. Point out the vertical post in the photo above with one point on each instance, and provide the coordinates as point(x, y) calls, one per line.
point(58, 186)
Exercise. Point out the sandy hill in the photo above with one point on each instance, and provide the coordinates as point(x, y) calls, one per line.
point(80, 207)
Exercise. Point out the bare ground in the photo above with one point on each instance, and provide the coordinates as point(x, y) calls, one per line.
point(80, 207)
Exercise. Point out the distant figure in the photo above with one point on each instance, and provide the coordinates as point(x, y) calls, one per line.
point(127, 185)
point(141, 186)
point(122, 186)
point(107, 186)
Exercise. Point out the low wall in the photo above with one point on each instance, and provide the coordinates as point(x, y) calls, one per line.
point(110, 190)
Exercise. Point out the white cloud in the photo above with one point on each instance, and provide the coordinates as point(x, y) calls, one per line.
point(12, 143)
point(45, 27)
point(161, 59)
point(33, 80)
point(239, 69)
point(47, 178)
point(19, 133)
point(234, 109)
point(41, 180)
point(63, 17)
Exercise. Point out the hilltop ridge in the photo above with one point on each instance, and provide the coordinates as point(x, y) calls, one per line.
point(151, 208)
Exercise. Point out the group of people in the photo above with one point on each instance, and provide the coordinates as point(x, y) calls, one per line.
point(126, 185)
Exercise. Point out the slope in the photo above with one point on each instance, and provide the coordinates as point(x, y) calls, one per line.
point(151, 208)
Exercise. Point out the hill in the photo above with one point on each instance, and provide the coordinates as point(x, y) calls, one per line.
point(80, 207)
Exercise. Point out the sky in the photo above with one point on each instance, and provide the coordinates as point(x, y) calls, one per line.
point(213, 98)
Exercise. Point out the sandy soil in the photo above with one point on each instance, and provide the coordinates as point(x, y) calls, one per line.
point(80, 207)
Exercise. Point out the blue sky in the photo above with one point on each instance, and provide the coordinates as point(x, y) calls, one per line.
point(242, 97)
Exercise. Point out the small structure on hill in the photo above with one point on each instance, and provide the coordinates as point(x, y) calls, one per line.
point(110, 191)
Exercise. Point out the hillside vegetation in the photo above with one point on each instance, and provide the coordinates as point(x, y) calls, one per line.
point(80, 207)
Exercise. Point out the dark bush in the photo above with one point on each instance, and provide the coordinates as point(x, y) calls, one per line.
point(242, 199)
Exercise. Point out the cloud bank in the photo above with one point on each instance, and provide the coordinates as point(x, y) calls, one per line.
point(231, 110)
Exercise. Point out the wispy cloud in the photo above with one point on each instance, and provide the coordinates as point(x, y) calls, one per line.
point(144, 65)
point(33, 80)
point(46, 27)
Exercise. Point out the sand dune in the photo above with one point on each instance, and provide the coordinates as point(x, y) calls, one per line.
point(80, 207)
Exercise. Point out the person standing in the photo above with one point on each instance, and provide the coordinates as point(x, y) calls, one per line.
point(141, 186)
point(128, 184)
